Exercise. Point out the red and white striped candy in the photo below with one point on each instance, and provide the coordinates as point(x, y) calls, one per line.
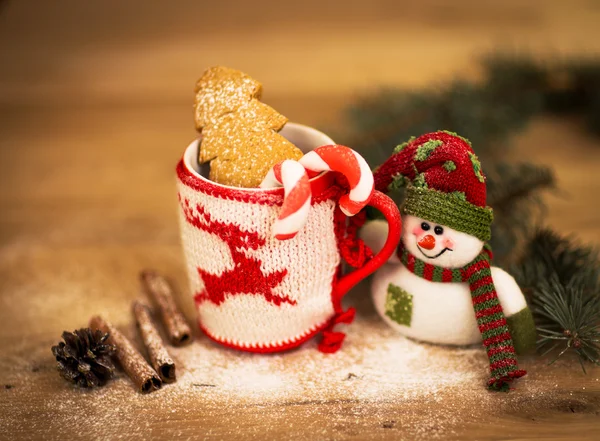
point(297, 197)
point(346, 161)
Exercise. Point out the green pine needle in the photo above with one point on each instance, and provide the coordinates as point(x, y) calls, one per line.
point(513, 191)
point(562, 280)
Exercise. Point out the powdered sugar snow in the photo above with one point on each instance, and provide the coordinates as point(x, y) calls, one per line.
point(375, 363)
point(377, 373)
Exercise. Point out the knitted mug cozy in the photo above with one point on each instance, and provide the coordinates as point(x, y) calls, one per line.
point(259, 294)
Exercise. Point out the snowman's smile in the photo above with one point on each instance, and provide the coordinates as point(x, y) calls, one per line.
point(433, 257)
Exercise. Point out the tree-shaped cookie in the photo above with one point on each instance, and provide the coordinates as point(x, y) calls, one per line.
point(239, 133)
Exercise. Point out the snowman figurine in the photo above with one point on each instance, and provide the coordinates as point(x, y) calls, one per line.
point(439, 287)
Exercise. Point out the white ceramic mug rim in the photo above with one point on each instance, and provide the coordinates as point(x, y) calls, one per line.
point(189, 156)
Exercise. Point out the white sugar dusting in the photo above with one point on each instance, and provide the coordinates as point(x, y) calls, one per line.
point(374, 364)
point(377, 381)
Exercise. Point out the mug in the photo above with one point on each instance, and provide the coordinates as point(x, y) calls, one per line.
point(254, 292)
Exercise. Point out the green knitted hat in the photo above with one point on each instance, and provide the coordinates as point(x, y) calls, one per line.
point(445, 183)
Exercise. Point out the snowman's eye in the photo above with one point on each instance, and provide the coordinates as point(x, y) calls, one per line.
point(425, 226)
point(438, 230)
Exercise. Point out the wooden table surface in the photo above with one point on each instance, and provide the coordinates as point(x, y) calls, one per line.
point(95, 109)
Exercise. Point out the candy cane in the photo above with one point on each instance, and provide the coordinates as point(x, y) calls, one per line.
point(297, 194)
point(296, 200)
point(346, 161)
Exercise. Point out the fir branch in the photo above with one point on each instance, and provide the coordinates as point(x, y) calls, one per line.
point(513, 191)
point(549, 253)
point(480, 113)
point(563, 86)
point(562, 281)
point(510, 182)
point(515, 89)
point(573, 86)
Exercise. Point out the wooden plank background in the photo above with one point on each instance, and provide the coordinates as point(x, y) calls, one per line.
point(95, 109)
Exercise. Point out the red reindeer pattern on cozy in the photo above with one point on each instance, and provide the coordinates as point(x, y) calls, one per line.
point(246, 277)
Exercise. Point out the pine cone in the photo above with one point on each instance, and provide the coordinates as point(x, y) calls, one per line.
point(84, 358)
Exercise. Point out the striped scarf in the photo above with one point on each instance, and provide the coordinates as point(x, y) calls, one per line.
point(488, 311)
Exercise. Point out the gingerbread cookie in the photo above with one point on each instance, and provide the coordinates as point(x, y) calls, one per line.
point(239, 133)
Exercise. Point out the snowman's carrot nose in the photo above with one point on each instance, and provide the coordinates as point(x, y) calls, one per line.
point(427, 242)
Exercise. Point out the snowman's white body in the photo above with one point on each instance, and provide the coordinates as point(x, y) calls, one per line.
point(441, 312)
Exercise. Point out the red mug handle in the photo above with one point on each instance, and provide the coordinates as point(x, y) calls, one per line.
point(332, 341)
point(389, 209)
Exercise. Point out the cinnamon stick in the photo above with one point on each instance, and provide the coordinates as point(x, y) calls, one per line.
point(159, 357)
point(132, 362)
point(160, 291)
